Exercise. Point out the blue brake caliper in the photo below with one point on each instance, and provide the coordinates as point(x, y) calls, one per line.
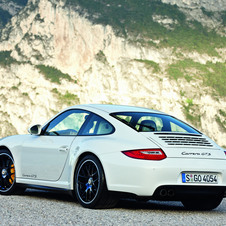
point(88, 186)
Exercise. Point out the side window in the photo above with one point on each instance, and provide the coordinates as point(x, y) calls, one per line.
point(97, 126)
point(67, 124)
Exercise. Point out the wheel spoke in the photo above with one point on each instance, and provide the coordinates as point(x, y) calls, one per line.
point(94, 174)
point(88, 170)
point(8, 163)
point(7, 183)
point(90, 195)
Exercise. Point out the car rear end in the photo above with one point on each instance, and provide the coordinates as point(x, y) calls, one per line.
point(180, 163)
point(198, 164)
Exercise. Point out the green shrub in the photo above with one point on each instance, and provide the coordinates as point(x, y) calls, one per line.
point(6, 59)
point(67, 98)
point(100, 56)
point(191, 112)
point(14, 88)
point(150, 64)
point(53, 74)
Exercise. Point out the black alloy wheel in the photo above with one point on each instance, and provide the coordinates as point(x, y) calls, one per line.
point(7, 173)
point(90, 185)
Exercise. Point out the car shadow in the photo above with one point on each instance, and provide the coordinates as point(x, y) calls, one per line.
point(129, 204)
point(149, 205)
point(60, 195)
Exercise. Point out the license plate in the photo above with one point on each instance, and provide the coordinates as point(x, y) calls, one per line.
point(204, 178)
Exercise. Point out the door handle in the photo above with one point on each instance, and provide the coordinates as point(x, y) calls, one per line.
point(63, 148)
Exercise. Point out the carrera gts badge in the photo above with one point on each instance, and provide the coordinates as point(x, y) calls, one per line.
point(196, 153)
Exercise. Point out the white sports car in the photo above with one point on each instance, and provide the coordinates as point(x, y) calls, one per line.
point(103, 152)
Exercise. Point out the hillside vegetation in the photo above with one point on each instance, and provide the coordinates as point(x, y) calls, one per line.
point(146, 53)
point(134, 20)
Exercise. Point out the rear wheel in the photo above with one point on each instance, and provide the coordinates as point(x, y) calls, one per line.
point(204, 203)
point(90, 185)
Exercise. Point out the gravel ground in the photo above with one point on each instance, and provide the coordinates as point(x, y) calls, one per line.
point(36, 207)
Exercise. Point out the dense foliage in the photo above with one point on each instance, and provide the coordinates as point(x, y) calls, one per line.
point(6, 59)
point(212, 74)
point(53, 74)
point(134, 19)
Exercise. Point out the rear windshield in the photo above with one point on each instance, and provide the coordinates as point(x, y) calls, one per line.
point(151, 122)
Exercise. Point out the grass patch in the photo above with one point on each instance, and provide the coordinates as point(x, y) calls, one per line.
point(189, 109)
point(53, 74)
point(150, 64)
point(212, 74)
point(67, 98)
point(134, 19)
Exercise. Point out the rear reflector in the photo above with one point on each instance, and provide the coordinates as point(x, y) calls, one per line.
point(146, 154)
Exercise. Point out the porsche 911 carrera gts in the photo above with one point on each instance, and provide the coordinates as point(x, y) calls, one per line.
point(101, 153)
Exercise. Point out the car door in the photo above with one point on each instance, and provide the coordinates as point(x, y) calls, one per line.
point(43, 157)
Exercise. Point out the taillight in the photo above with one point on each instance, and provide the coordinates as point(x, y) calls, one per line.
point(146, 154)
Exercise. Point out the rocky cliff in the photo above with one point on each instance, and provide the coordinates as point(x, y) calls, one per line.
point(60, 53)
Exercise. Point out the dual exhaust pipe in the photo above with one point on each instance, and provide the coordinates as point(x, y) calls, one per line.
point(164, 192)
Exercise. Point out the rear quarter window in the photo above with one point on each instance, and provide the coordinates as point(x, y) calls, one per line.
point(97, 125)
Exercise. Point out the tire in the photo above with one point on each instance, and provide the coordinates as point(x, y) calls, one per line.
point(90, 185)
point(7, 173)
point(204, 203)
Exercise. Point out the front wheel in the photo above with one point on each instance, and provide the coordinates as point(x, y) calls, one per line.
point(7, 173)
point(204, 203)
point(90, 185)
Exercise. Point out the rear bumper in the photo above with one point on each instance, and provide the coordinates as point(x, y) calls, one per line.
point(145, 178)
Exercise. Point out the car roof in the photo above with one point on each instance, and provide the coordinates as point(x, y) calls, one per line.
point(111, 108)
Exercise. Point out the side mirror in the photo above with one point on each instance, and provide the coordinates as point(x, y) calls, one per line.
point(35, 130)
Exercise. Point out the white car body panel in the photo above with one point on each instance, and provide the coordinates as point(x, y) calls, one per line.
point(44, 157)
point(51, 160)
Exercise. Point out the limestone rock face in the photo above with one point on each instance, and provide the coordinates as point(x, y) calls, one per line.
point(104, 67)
